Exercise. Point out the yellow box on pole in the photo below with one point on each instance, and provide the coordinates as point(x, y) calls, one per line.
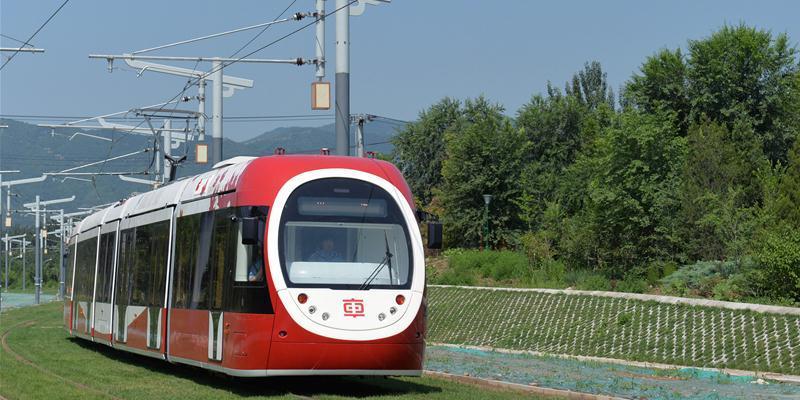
point(320, 96)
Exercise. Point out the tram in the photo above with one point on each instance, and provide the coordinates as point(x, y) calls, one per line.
point(269, 266)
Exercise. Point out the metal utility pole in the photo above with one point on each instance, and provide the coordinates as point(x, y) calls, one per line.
point(216, 112)
point(7, 246)
point(167, 150)
point(360, 120)
point(342, 85)
point(38, 239)
point(37, 209)
point(61, 267)
point(24, 270)
point(320, 40)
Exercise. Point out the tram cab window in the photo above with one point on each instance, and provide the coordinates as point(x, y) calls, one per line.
point(344, 233)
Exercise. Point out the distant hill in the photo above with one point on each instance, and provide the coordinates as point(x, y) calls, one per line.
point(35, 150)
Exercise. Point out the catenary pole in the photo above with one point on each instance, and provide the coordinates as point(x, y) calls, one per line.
point(342, 85)
point(38, 234)
point(24, 271)
point(6, 247)
point(61, 267)
point(216, 112)
point(320, 40)
point(360, 136)
point(167, 149)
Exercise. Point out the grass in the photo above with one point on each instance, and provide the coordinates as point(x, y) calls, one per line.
point(617, 328)
point(54, 366)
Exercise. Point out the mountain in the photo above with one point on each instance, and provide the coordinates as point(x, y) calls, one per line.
point(35, 150)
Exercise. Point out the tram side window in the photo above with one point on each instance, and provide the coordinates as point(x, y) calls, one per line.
point(125, 266)
point(84, 280)
point(105, 267)
point(192, 251)
point(70, 269)
point(212, 267)
point(186, 235)
point(150, 264)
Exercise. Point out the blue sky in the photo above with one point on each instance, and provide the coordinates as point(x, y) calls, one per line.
point(405, 55)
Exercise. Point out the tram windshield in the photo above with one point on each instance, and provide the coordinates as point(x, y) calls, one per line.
point(344, 234)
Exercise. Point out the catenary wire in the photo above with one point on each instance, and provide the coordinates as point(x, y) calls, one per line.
point(35, 33)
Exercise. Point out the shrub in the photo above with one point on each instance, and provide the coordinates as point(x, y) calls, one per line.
point(537, 248)
point(588, 280)
point(778, 258)
point(502, 265)
point(632, 284)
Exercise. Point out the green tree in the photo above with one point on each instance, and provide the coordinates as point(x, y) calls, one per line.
point(484, 156)
point(788, 203)
point(553, 127)
point(718, 191)
point(632, 195)
point(419, 147)
point(741, 73)
point(590, 86)
point(661, 86)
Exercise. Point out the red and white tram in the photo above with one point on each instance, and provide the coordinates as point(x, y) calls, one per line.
point(279, 265)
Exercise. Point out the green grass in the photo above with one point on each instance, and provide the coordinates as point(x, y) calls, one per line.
point(617, 328)
point(61, 367)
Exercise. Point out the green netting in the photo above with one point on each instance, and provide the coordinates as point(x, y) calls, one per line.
point(604, 378)
point(558, 323)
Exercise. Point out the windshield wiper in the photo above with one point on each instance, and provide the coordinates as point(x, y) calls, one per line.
point(387, 260)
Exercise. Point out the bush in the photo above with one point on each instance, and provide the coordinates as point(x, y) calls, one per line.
point(537, 248)
point(778, 258)
point(632, 284)
point(502, 265)
point(588, 280)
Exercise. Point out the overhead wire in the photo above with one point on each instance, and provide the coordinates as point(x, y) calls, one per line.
point(35, 33)
point(16, 40)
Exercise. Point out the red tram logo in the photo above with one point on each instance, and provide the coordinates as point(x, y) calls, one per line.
point(353, 308)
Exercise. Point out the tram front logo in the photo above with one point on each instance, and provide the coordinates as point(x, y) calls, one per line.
point(353, 308)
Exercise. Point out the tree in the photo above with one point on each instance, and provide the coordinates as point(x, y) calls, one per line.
point(632, 195)
point(718, 192)
point(553, 127)
point(788, 203)
point(419, 147)
point(590, 87)
point(484, 156)
point(661, 86)
point(742, 74)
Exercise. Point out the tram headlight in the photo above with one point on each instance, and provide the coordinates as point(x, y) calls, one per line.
point(312, 309)
point(381, 316)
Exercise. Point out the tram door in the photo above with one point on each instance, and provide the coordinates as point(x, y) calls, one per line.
point(103, 284)
point(85, 265)
point(140, 287)
point(219, 296)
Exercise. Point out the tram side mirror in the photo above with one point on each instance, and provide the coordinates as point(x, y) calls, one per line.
point(249, 230)
point(434, 235)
